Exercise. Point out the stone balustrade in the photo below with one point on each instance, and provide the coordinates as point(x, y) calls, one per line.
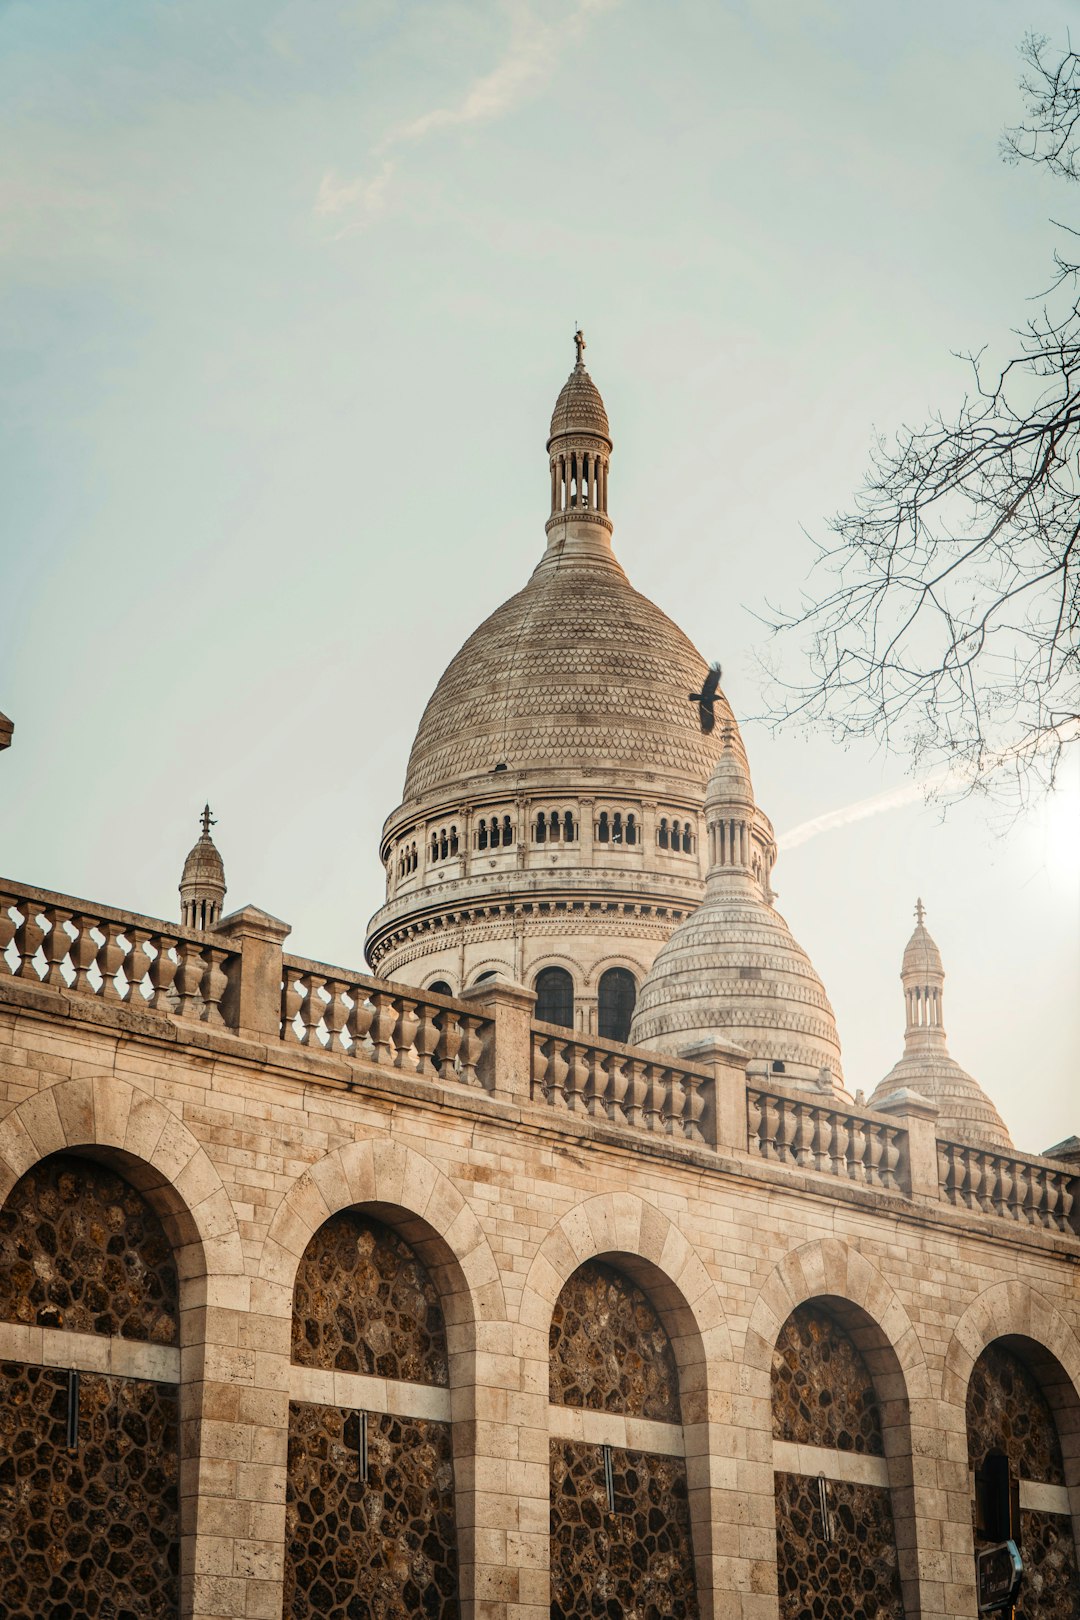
point(387, 1024)
point(577, 1074)
point(791, 1128)
point(1033, 1191)
point(236, 978)
point(117, 956)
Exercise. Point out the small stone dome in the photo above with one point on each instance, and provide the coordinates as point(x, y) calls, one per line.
point(204, 864)
point(964, 1109)
point(579, 408)
point(202, 884)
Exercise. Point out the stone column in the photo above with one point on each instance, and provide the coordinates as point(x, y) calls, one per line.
point(510, 1006)
point(252, 1003)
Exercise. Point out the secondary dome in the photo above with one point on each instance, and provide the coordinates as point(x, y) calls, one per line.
point(579, 407)
point(964, 1109)
point(202, 882)
point(732, 968)
point(578, 670)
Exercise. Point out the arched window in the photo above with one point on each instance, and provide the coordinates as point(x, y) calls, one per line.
point(835, 1541)
point(616, 827)
point(440, 988)
point(631, 829)
point(687, 838)
point(662, 833)
point(569, 829)
point(620, 1521)
point(617, 993)
point(91, 1511)
point(434, 846)
point(453, 841)
point(507, 832)
point(482, 835)
point(603, 829)
point(554, 997)
point(541, 828)
point(554, 827)
point(369, 1491)
point(1013, 1444)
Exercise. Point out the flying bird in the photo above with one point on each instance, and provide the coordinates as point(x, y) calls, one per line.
point(706, 698)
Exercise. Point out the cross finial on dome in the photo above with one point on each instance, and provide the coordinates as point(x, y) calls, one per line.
point(920, 912)
point(579, 344)
point(207, 819)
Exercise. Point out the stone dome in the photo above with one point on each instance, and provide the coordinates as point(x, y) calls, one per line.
point(579, 408)
point(202, 883)
point(204, 864)
point(921, 955)
point(576, 671)
point(734, 970)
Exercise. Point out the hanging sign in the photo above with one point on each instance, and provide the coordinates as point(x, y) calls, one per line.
point(999, 1572)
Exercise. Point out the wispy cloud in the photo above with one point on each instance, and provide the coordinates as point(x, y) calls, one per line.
point(539, 42)
point(877, 804)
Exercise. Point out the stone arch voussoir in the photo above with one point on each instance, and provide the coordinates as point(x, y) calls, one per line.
point(416, 1197)
point(152, 1145)
point(1008, 1309)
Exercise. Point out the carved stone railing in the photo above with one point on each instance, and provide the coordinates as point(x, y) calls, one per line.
point(117, 956)
point(1032, 1191)
point(793, 1129)
point(578, 1074)
point(379, 1022)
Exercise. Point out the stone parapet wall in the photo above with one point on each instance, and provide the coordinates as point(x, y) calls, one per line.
point(245, 1143)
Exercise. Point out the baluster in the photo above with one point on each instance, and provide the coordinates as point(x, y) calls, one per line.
point(383, 1023)
point(426, 1039)
point(8, 926)
point(823, 1136)
point(335, 1015)
point(986, 1182)
point(557, 1070)
point(694, 1108)
point(57, 945)
point(890, 1158)
point(972, 1179)
point(803, 1140)
point(841, 1137)
point(110, 959)
point(1003, 1192)
point(137, 965)
point(770, 1125)
point(293, 990)
point(596, 1083)
point(618, 1081)
point(675, 1103)
point(1052, 1201)
point(875, 1151)
point(189, 974)
point(1067, 1189)
point(215, 982)
point(28, 937)
point(449, 1043)
point(539, 1089)
point(361, 1014)
point(785, 1128)
point(654, 1097)
point(754, 1119)
point(857, 1157)
point(408, 1022)
point(577, 1074)
point(162, 968)
point(471, 1049)
point(311, 1009)
point(634, 1097)
point(946, 1171)
point(1020, 1189)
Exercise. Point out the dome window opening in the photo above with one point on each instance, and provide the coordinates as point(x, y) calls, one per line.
point(439, 988)
point(508, 836)
point(687, 839)
point(662, 833)
point(554, 997)
point(541, 828)
point(616, 999)
point(569, 827)
point(482, 834)
point(603, 829)
point(554, 827)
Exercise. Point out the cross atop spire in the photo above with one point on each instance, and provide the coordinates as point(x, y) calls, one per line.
point(579, 344)
point(920, 912)
point(207, 820)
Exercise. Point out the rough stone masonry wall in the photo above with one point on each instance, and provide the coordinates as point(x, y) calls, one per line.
point(245, 1150)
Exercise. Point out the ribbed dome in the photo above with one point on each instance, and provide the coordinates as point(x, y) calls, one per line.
point(204, 864)
point(575, 672)
point(579, 408)
point(921, 955)
point(964, 1110)
point(732, 969)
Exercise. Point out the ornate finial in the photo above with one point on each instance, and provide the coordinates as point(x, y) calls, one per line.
point(579, 342)
point(920, 912)
point(207, 820)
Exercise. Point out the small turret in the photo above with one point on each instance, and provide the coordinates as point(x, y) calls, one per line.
point(964, 1109)
point(202, 886)
point(579, 453)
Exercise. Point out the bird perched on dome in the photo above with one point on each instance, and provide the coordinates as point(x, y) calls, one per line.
point(706, 699)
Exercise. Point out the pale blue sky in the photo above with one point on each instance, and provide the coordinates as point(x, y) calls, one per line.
point(286, 294)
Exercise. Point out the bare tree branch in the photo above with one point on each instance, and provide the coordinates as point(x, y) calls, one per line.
point(946, 611)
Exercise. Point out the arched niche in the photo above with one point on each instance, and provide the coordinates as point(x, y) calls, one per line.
point(554, 997)
point(836, 1544)
point(1018, 1469)
point(370, 1510)
point(89, 1461)
point(620, 1520)
point(616, 999)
